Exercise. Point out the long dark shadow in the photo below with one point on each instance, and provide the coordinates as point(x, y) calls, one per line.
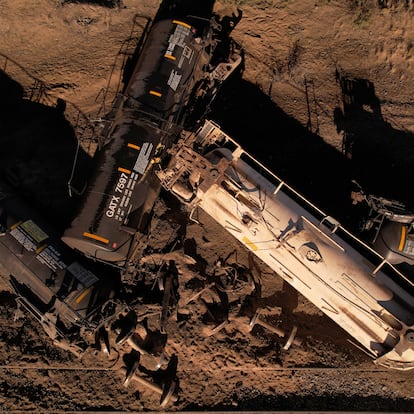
point(38, 150)
point(379, 157)
point(382, 156)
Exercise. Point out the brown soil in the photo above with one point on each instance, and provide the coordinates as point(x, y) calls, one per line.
point(325, 97)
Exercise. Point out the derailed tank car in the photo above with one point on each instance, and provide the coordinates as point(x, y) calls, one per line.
point(54, 284)
point(389, 226)
point(345, 278)
point(147, 120)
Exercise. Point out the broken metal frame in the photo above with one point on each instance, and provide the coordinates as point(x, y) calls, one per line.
point(381, 209)
point(344, 277)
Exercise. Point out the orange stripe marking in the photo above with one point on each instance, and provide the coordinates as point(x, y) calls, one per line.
point(96, 237)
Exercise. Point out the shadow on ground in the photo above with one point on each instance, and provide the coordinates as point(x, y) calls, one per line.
point(382, 156)
point(38, 149)
point(105, 3)
point(379, 157)
point(296, 155)
point(38, 146)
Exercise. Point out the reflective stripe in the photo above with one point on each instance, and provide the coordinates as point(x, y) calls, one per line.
point(124, 170)
point(133, 146)
point(96, 237)
point(83, 294)
point(41, 248)
point(249, 243)
point(403, 237)
point(182, 24)
point(155, 93)
point(16, 225)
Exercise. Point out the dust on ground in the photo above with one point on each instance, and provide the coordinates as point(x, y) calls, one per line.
point(325, 97)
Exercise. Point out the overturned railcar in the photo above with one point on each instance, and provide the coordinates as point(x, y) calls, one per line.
point(389, 226)
point(147, 120)
point(346, 279)
point(395, 241)
point(62, 291)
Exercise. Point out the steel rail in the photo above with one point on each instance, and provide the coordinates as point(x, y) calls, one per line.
point(229, 369)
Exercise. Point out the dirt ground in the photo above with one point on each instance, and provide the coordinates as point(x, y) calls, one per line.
point(324, 98)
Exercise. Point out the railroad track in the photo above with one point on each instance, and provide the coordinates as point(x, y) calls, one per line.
point(227, 369)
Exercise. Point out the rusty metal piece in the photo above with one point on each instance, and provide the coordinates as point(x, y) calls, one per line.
point(134, 340)
point(217, 328)
point(167, 392)
point(177, 256)
point(291, 338)
point(103, 339)
point(198, 294)
point(169, 298)
point(164, 359)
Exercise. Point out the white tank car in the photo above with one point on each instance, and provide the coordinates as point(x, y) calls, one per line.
point(345, 278)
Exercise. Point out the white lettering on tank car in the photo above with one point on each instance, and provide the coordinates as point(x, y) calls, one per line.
point(174, 80)
point(28, 234)
point(51, 258)
point(178, 38)
point(120, 214)
point(113, 204)
point(171, 46)
point(123, 179)
point(143, 158)
point(123, 189)
point(25, 240)
point(187, 54)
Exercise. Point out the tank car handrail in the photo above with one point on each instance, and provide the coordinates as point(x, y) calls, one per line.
point(81, 321)
point(281, 185)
